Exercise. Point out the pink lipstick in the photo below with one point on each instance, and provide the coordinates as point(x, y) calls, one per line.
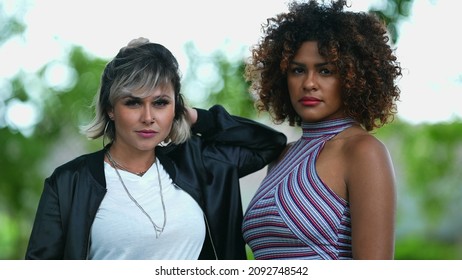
point(146, 133)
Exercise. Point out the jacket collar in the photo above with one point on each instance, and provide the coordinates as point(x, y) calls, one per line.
point(162, 153)
point(95, 162)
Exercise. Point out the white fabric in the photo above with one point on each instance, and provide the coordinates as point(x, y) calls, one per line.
point(121, 231)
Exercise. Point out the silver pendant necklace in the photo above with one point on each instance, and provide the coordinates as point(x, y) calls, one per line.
point(158, 230)
point(120, 166)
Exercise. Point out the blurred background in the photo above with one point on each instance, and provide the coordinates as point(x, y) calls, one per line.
point(52, 54)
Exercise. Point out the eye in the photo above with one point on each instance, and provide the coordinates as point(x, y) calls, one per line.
point(132, 102)
point(161, 102)
point(297, 70)
point(325, 71)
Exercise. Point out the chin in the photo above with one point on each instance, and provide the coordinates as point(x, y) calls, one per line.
point(149, 147)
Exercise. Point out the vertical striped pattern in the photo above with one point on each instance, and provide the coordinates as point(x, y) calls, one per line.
point(293, 215)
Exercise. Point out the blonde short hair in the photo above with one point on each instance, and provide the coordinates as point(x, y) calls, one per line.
point(139, 65)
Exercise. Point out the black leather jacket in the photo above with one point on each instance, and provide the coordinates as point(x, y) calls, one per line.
point(223, 149)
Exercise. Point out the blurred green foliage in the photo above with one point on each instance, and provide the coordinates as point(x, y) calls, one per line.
point(24, 152)
point(427, 157)
point(392, 13)
point(217, 79)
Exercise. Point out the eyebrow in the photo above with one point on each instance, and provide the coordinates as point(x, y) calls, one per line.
point(163, 95)
point(131, 96)
point(304, 65)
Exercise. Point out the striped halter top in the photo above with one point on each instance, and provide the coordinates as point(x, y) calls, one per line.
point(293, 214)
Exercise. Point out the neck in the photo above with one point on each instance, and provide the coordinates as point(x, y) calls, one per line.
point(137, 162)
point(325, 127)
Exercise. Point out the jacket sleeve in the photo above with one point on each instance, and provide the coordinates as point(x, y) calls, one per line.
point(242, 142)
point(46, 240)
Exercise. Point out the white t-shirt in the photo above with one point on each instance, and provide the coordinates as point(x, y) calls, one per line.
point(121, 230)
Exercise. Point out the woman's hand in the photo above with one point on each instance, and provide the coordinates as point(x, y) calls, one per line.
point(192, 113)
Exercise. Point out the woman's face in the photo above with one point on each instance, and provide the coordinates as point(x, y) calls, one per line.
point(314, 85)
point(142, 123)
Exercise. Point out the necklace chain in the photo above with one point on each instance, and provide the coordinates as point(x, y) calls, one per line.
point(120, 166)
point(158, 230)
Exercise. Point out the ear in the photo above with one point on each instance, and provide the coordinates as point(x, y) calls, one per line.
point(110, 113)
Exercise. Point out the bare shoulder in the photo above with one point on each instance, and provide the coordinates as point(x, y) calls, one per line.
point(371, 187)
point(363, 145)
point(366, 159)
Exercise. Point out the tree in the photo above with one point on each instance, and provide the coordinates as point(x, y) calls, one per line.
point(392, 13)
point(24, 155)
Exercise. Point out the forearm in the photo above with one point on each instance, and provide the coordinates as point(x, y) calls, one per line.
point(217, 125)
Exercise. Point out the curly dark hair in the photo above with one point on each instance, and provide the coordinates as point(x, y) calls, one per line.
point(357, 43)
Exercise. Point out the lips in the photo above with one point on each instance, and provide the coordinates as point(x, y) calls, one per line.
point(146, 133)
point(309, 101)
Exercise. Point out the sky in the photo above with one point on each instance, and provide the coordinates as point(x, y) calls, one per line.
point(431, 88)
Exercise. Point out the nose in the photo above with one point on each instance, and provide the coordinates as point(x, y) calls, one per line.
point(310, 82)
point(148, 116)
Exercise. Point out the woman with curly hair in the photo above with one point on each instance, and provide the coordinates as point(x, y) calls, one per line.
point(331, 195)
